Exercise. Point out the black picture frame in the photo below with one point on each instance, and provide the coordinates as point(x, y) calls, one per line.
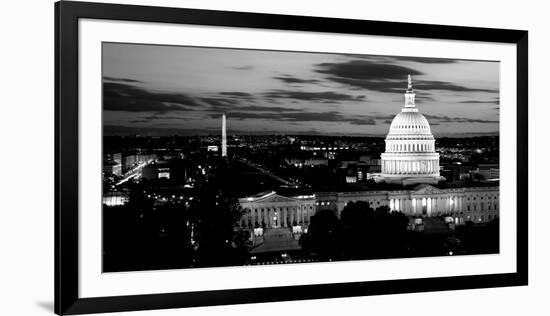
point(67, 15)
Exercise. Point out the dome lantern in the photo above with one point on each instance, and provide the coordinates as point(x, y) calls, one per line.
point(409, 96)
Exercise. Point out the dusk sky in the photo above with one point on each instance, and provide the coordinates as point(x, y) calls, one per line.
point(168, 90)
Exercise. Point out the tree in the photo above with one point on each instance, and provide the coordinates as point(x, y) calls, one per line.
point(214, 217)
point(323, 237)
point(369, 233)
point(142, 236)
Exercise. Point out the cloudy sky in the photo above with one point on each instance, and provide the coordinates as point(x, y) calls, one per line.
point(167, 90)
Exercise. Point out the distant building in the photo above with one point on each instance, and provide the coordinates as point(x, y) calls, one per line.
point(489, 171)
point(115, 199)
point(307, 162)
point(128, 162)
point(112, 167)
point(176, 170)
point(116, 157)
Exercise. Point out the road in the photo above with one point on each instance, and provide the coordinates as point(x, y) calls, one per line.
point(135, 172)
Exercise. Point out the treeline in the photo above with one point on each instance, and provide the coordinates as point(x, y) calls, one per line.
point(360, 233)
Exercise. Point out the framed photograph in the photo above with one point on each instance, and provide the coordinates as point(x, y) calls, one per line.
point(209, 157)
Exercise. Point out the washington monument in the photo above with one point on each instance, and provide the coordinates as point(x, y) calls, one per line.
point(224, 138)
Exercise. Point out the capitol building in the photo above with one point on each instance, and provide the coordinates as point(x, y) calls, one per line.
point(410, 163)
point(410, 155)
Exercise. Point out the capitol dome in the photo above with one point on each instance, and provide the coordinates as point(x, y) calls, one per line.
point(409, 123)
point(410, 155)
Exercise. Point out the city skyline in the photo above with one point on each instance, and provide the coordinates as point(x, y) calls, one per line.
point(173, 90)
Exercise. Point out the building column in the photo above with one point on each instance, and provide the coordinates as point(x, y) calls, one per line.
point(290, 212)
point(285, 224)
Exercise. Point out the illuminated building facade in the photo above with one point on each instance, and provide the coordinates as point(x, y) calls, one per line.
point(410, 155)
point(477, 204)
point(271, 210)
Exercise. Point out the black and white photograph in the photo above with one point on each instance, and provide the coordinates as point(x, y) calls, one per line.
point(241, 157)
